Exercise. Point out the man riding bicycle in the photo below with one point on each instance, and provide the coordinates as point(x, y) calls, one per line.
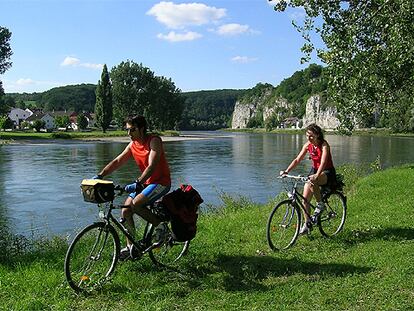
point(153, 182)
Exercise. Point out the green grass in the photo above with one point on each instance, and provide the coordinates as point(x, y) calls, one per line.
point(230, 267)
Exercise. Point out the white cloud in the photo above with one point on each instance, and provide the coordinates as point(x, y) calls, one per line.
point(243, 59)
point(75, 62)
point(172, 36)
point(233, 29)
point(178, 16)
point(70, 61)
point(23, 82)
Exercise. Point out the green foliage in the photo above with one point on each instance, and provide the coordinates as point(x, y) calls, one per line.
point(208, 110)
point(38, 125)
point(5, 50)
point(6, 123)
point(301, 85)
point(60, 135)
point(82, 121)
point(258, 92)
point(62, 121)
point(136, 90)
point(370, 55)
point(71, 97)
point(103, 105)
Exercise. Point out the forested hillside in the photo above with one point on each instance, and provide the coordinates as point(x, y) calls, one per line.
point(203, 110)
point(71, 98)
point(208, 109)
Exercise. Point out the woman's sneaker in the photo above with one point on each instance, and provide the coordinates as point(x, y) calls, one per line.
point(320, 207)
point(305, 229)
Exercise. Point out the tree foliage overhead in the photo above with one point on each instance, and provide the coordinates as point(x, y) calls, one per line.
point(208, 110)
point(5, 49)
point(136, 90)
point(103, 105)
point(5, 63)
point(369, 52)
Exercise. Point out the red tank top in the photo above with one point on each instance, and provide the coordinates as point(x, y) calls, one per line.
point(161, 173)
point(315, 152)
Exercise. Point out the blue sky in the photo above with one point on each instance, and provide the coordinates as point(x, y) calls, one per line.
point(200, 45)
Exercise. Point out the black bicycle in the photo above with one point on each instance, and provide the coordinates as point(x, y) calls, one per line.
point(93, 254)
point(286, 218)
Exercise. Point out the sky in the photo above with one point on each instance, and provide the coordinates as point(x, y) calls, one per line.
point(200, 45)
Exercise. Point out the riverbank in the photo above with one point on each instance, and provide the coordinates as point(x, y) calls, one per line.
point(358, 132)
point(230, 267)
point(76, 137)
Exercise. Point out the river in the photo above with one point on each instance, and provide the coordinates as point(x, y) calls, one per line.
point(39, 182)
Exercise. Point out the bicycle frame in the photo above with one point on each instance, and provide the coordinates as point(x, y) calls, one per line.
point(296, 197)
point(108, 218)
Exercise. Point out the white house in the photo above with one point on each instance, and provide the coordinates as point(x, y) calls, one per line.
point(18, 115)
point(49, 120)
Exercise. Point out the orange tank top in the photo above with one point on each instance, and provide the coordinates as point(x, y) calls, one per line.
point(161, 173)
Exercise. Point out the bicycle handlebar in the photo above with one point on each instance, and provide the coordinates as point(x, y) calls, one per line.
point(297, 177)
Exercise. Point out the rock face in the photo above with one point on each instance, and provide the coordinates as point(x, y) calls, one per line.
point(325, 118)
point(244, 112)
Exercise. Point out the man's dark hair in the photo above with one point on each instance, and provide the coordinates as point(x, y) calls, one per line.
point(317, 130)
point(137, 121)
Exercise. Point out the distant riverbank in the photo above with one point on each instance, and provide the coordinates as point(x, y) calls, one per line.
point(76, 137)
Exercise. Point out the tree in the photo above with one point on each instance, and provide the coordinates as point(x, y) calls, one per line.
point(62, 121)
point(5, 50)
point(82, 121)
point(6, 123)
point(136, 90)
point(369, 52)
point(5, 54)
point(38, 125)
point(103, 105)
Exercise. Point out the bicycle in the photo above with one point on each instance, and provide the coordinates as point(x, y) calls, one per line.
point(285, 219)
point(94, 252)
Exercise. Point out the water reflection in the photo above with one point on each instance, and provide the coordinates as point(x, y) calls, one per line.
point(39, 183)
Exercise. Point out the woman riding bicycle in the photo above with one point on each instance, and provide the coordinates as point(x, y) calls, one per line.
point(322, 172)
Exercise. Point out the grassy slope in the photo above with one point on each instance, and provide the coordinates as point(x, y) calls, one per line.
point(368, 267)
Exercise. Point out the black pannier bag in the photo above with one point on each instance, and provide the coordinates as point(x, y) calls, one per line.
point(182, 206)
point(97, 190)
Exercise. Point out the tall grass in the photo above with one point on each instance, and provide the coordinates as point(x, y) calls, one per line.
point(230, 267)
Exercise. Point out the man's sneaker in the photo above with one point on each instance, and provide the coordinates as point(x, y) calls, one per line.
point(304, 230)
point(125, 254)
point(320, 207)
point(160, 233)
point(129, 252)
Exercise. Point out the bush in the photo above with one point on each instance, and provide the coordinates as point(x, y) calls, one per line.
point(61, 135)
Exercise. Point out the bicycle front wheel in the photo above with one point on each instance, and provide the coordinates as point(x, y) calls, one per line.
point(331, 221)
point(169, 252)
point(92, 257)
point(283, 225)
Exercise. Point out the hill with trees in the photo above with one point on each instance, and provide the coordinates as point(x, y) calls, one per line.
point(208, 110)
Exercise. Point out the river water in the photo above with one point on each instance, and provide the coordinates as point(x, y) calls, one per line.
point(39, 182)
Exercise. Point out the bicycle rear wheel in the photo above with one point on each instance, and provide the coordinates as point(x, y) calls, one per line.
point(283, 225)
point(92, 257)
point(331, 221)
point(169, 252)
